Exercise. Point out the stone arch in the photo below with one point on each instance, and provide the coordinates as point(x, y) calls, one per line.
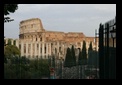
point(9, 41)
point(25, 36)
point(55, 51)
point(14, 42)
point(28, 37)
point(31, 37)
point(36, 39)
point(59, 49)
point(40, 38)
point(79, 49)
point(45, 48)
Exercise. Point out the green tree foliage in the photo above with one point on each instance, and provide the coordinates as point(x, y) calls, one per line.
point(73, 55)
point(11, 50)
point(90, 54)
point(90, 47)
point(9, 42)
point(53, 61)
point(69, 61)
point(9, 8)
point(5, 60)
point(39, 68)
point(35, 69)
point(79, 58)
point(92, 58)
point(49, 61)
point(14, 42)
point(82, 60)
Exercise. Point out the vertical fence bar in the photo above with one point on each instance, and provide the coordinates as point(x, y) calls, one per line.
point(101, 58)
point(106, 57)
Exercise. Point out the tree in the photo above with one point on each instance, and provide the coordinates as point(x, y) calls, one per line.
point(79, 58)
point(5, 60)
point(9, 8)
point(73, 55)
point(90, 47)
point(53, 61)
point(9, 42)
point(82, 59)
point(69, 61)
point(14, 42)
point(11, 50)
point(90, 54)
point(90, 50)
point(83, 55)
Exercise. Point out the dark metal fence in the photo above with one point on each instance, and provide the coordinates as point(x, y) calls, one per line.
point(107, 50)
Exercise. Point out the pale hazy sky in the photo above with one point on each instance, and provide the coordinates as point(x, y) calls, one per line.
point(62, 17)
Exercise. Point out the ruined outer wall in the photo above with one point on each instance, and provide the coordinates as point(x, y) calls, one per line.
point(36, 41)
point(29, 26)
point(72, 37)
point(32, 29)
point(54, 36)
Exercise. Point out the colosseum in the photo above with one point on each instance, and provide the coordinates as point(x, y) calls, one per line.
point(36, 42)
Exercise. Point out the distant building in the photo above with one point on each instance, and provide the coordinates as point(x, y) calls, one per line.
point(34, 41)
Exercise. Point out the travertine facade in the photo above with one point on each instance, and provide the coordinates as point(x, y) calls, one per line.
point(35, 41)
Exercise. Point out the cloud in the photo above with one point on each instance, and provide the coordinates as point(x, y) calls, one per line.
point(32, 7)
point(62, 17)
point(105, 7)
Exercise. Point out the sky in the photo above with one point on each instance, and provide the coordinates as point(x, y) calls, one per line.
point(62, 17)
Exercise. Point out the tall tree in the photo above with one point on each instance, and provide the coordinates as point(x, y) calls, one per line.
point(73, 55)
point(79, 59)
point(90, 46)
point(9, 8)
point(53, 61)
point(14, 42)
point(83, 55)
point(82, 60)
point(69, 62)
point(90, 54)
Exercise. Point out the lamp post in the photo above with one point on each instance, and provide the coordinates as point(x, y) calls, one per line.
point(113, 34)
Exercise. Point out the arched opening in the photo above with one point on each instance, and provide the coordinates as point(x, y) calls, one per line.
point(24, 48)
point(55, 51)
point(60, 49)
point(40, 38)
point(14, 42)
point(45, 49)
point(36, 38)
point(9, 42)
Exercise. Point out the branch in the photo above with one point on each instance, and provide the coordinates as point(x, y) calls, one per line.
point(7, 19)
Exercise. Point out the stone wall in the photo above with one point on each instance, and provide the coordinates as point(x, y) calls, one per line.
point(34, 40)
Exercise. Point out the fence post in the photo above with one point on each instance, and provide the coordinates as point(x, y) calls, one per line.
point(101, 58)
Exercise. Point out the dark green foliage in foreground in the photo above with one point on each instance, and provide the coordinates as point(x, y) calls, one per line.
point(69, 60)
point(73, 55)
point(82, 60)
point(23, 68)
point(11, 51)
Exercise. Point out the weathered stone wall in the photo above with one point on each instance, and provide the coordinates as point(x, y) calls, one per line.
point(34, 40)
